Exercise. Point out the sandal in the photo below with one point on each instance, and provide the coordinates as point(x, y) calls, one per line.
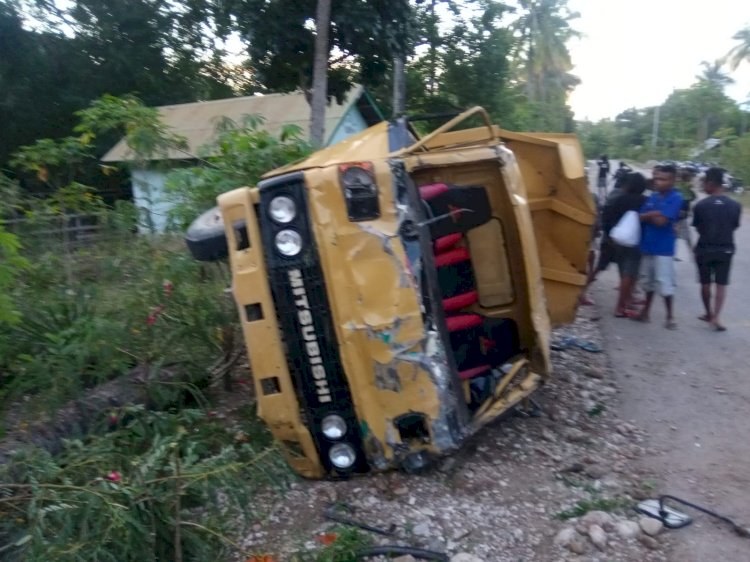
point(670, 325)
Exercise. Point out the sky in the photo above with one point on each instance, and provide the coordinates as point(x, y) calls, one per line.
point(634, 53)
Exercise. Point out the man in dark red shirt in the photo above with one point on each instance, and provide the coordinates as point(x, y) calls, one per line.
point(715, 218)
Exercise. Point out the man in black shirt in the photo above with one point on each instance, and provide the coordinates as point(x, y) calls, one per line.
point(715, 218)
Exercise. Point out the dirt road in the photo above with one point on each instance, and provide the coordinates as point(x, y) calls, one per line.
point(690, 389)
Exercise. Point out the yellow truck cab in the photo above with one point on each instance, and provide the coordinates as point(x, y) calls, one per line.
point(397, 293)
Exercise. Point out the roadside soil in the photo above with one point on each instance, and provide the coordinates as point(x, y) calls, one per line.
point(690, 389)
point(560, 486)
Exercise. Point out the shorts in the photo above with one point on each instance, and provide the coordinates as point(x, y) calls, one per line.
point(713, 267)
point(628, 260)
point(606, 254)
point(658, 274)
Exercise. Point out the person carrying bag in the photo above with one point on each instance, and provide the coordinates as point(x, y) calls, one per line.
point(621, 217)
point(627, 231)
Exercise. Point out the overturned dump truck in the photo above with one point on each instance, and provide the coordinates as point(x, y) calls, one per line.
point(396, 293)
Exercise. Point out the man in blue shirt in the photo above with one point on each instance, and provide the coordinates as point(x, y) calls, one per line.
point(659, 214)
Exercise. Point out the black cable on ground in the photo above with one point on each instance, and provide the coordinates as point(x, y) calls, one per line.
point(741, 531)
point(386, 550)
point(332, 513)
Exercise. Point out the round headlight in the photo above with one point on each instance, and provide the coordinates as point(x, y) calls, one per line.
point(289, 242)
point(333, 426)
point(342, 455)
point(282, 209)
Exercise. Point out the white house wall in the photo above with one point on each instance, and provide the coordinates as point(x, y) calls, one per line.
point(148, 197)
point(352, 122)
point(148, 185)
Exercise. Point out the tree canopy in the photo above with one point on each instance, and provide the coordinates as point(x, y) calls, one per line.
point(510, 56)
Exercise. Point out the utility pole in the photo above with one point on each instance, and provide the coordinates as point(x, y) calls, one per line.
point(320, 74)
point(655, 130)
point(399, 86)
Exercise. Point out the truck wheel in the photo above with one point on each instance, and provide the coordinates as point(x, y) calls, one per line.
point(205, 238)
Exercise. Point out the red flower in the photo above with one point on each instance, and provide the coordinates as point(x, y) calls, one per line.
point(326, 538)
point(114, 476)
point(151, 320)
point(168, 288)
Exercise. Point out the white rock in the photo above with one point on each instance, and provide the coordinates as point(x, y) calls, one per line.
point(598, 537)
point(407, 558)
point(649, 542)
point(596, 471)
point(459, 534)
point(577, 546)
point(421, 530)
point(565, 536)
point(627, 529)
point(465, 557)
point(650, 526)
point(575, 435)
point(600, 518)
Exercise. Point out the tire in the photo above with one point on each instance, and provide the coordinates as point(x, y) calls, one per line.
point(205, 238)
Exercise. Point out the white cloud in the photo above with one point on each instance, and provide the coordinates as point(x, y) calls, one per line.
point(635, 52)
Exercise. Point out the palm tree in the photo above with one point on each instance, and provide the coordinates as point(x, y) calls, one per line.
point(713, 73)
point(740, 52)
point(544, 30)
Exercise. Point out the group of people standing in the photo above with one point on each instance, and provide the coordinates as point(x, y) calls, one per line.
point(664, 215)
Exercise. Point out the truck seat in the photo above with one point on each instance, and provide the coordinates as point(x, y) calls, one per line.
point(480, 343)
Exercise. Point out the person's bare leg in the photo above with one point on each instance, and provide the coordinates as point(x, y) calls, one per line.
point(670, 323)
point(644, 315)
point(706, 298)
point(624, 297)
point(721, 293)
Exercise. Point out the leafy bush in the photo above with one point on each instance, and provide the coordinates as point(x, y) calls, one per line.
point(11, 265)
point(11, 262)
point(142, 303)
point(161, 486)
point(735, 156)
point(165, 484)
point(341, 544)
point(241, 154)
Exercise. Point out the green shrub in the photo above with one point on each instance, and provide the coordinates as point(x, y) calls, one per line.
point(161, 486)
point(11, 265)
point(241, 154)
point(146, 302)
